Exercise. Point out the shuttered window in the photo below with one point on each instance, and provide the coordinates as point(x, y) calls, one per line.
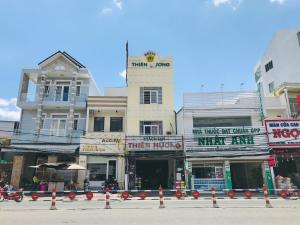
point(150, 95)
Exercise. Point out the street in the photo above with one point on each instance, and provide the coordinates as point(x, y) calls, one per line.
point(137, 212)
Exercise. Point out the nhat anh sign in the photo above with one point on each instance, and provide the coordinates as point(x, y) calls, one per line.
point(226, 136)
point(283, 132)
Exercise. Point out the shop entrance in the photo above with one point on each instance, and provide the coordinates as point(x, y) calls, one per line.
point(152, 173)
point(246, 175)
point(287, 172)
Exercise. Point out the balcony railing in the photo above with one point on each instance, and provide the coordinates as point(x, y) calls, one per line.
point(53, 94)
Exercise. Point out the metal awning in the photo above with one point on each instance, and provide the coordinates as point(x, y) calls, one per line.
point(41, 148)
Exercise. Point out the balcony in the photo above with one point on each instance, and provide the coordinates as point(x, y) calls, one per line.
point(49, 134)
point(54, 96)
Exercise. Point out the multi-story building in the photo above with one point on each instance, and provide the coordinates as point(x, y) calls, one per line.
point(154, 151)
point(277, 76)
point(224, 140)
point(102, 147)
point(52, 99)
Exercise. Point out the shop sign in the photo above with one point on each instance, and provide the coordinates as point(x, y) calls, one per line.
point(221, 136)
point(102, 144)
point(150, 62)
point(145, 143)
point(283, 132)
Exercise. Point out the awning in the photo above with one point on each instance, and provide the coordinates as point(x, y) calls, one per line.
point(41, 148)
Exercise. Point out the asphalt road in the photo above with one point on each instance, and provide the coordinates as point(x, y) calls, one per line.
point(138, 212)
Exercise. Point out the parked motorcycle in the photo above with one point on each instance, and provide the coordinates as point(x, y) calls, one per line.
point(11, 195)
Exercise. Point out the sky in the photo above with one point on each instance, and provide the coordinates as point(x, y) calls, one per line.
point(212, 42)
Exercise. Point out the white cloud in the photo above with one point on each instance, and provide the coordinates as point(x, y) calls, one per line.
point(106, 11)
point(118, 3)
point(234, 4)
point(220, 2)
point(123, 74)
point(8, 109)
point(278, 1)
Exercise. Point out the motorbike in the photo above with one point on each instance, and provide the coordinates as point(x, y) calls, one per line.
point(17, 196)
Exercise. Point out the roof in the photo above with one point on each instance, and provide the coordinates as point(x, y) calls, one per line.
point(65, 54)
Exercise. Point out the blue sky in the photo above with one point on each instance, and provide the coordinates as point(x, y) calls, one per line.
point(212, 41)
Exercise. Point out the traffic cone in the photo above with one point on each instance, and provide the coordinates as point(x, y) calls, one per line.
point(53, 200)
point(161, 197)
point(266, 196)
point(213, 193)
point(107, 199)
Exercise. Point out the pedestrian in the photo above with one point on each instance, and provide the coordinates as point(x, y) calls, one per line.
point(86, 185)
point(36, 182)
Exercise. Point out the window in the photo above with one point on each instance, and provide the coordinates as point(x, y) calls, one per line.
point(112, 169)
point(151, 128)
point(116, 124)
point(293, 106)
point(208, 172)
point(75, 124)
point(150, 95)
point(58, 126)
point(78, 88)
point(47, 89)
point(62, 91)
point(298, 35)
point(221, 121)
point(97, 171)
point(99, 124)
point(271, 87)
point(269, 66)
point(43, 120)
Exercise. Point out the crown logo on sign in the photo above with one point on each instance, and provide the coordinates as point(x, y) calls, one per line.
point(150, 56)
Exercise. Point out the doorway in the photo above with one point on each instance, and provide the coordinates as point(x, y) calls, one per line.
point(152, 173)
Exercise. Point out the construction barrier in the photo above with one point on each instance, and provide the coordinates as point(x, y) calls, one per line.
point(89, 195)
point(178, 194)
point(53, 200)
point(230, 194)
point(248, 194)
point(125, 195)
point(161, 197)
point(34, 196)
point(143, 195)
point(214, 199)
point(72, 195)
point(196, 194)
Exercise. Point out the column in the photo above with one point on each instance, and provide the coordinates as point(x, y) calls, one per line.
point(228, 181)
point(267, 176)
point(82, 173)
point(16, 173)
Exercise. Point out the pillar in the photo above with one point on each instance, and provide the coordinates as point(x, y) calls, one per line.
point(82, 173)
point(228, 181)
point(267, 175)
point(16, 173)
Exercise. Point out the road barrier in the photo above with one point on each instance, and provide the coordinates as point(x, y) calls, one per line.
point(53, 200)
point(89, 195)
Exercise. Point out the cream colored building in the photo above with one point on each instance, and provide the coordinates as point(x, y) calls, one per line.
point(154, 149)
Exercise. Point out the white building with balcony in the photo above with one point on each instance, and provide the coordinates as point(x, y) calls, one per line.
point(52, 98)
point(277, 76)
point(224, 140)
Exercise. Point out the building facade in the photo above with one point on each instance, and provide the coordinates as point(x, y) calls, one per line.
point(102, 147)
point(154, 153)
point(224, 141)
point(52, 99)
point(278, 82)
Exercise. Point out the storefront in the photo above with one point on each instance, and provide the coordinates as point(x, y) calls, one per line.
point(227, 158)
point(103, 157)
point(154, 161)
point(283, 138)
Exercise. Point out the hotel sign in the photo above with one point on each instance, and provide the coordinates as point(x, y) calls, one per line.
point(154, 143)
point(150, 61)
point(283, 132)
